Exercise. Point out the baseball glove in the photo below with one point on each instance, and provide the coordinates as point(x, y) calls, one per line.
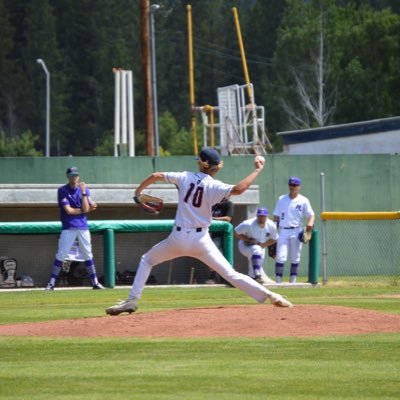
point(150, 204)
point(305, 236)
point(272, 250)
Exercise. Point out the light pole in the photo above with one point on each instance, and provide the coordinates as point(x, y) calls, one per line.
point(41, 62)
point(153, 9)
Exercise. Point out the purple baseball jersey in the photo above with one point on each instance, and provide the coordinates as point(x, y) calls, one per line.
point(72, 197)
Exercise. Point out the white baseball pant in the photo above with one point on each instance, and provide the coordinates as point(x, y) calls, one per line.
point(288, 245)
point(248, 252)
point(67, 239)
point(190, 243)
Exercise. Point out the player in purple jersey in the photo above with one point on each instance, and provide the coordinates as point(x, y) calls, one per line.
point(74, 202)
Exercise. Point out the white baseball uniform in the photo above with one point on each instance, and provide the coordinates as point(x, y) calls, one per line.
point(293, 214)
point(198, 192)
point(251, 229)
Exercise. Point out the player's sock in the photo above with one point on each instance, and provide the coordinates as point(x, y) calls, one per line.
point(91, 271)
point(256, 261)
point(279, 272)
point(55, 271)
point(294, 268)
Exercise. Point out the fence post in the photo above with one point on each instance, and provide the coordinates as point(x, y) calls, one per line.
point(313, 262)
point(109, 258)
point(228, 243)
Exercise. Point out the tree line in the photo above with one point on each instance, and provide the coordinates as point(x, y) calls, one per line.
point(312, 63)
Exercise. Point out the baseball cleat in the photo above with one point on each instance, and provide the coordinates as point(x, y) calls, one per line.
point(264, 280)
point(98, 286)
point(49, 287)
point(128, 306)
point(278, 301)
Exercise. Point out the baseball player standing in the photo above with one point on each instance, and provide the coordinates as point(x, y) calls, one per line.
point(292, 211)
point(255, 234)
point(74, 202)
point(198, 192)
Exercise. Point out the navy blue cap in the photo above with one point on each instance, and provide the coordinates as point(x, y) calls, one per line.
point(72, 171)
point(294, 180)
point(263, 211)
point(210, 155)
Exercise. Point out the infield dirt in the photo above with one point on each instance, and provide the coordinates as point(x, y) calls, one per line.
point(227, 321)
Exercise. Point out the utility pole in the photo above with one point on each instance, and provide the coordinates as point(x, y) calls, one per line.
point(146, 72)
point(46, 71)
point(153, 9)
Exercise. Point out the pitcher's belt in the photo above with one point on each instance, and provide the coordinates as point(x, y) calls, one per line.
point(178, 228)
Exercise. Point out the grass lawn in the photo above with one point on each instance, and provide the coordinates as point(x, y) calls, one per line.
point(346, 367)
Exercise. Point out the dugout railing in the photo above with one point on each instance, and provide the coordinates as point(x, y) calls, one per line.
point(108, 229)
point(108, 233)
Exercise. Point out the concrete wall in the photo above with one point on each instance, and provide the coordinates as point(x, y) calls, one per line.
point(353, 182)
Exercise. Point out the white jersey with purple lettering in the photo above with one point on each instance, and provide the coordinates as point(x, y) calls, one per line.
point(293, 215)
point(198, 192)
point(251, 229)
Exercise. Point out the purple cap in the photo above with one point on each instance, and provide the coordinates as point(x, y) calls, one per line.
point(72, 171)
point(211, 155)
point(262, 211)
point(294, 180)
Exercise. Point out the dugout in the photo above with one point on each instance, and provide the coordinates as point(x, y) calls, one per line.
point(33, 208)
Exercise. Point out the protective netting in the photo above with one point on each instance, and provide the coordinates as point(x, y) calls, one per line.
point(35, 255)
point(364, 250)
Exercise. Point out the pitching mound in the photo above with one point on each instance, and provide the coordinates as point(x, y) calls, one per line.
point(229, 321)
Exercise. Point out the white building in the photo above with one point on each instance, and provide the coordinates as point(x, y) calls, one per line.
point(379, 136)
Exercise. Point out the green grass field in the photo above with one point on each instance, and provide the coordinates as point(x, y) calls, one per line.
point(346, 367)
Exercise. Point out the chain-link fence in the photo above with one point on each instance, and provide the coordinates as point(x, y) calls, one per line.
point(361, 250)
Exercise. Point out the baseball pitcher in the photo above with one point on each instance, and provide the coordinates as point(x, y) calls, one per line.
point(198, 192)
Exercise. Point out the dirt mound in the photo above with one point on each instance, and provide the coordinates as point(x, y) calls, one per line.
point(227, 321)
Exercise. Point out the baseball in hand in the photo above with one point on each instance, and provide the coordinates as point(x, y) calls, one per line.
point(260, 159)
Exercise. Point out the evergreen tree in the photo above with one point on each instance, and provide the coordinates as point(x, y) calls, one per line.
point(362, 47)
point(261, 31)
point(6, 47)
point(40, 42)
point(96, 36)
